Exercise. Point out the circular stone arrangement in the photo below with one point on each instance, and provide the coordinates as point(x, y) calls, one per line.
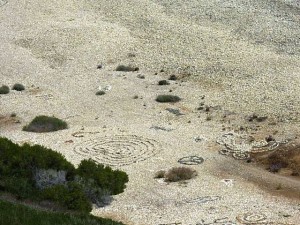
point(191, 160)
point(203, 199)
point(240, 147)
point(252, 218)
point(118, 150)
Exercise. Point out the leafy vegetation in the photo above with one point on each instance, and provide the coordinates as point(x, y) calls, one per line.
point(100, 92)
point(126, 68)
point(163, 82)
point(4, 89)
point(76, 190)
point(42, 124)
point(167, 98)
point(16, 214)
point(179, 173)
point(18, 87)
point(173, 77)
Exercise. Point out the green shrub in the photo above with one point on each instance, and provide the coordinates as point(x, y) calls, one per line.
point(160, 174)
point(179, 174)
point(100, 93)
point(167, 98)
point(173, 77)
point(126, 68)
point(104, 176)
point(45, 124)
point(4, 89)
point(18, 87)
point(163, 82)
point(16, 214)
point(19, 163)
point(71, 197)
point(90, 183)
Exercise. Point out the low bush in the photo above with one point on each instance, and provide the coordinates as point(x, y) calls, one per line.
point(42, 124)
point(160, 174)
point(167, 98)
point(4, 89)
point(76, 189)
point(173, 77)
point(16, 214)
point(70, 196)
point(126, 68)
point(100, 92)
point(163, 82)
point(104, 176)
point(179, 173)
point(18, 87)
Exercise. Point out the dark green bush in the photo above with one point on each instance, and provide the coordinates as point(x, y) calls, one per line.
point(17, 214)
point(100, 93)
point(104, 176)
point(4, 89)
point(18, 87)
point(19, 163)
point(45, 124)
point(126, 68)
point(167, 98)
point(90, 183)
point(71, 197)
point(163, 82)
point(173, 77)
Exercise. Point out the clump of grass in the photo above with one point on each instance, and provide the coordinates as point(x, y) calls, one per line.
point(173, 77)
point(279, 187)
point(124, 68)
point(13, 115)
point(18, 87)
point(179, 174)
point(42, 124)
point(4, 89)
point(163, 82)
point(167, 98)
point(160, 174)
point(100, 93)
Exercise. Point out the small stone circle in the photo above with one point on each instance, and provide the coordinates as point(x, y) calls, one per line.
point(252, 218)
point(191, 160)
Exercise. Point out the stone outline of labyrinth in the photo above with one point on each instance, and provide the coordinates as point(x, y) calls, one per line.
point(252, 218)
point(203, 199)
point(118, 150)
point(191, 160)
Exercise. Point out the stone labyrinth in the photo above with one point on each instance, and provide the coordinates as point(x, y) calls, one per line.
point(240, 145)
point(118, 150)
point(250, 218)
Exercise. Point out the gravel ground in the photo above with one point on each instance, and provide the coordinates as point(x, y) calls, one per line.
point(235, 57)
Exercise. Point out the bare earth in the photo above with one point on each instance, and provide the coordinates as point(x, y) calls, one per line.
point(237, 57)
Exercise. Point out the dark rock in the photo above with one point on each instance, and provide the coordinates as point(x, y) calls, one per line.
point(173, 77)
point(270, 138)
point(163, 82)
